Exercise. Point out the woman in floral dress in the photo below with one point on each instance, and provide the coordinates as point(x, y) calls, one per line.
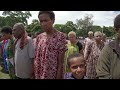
point(50, 49)
point(93, 51)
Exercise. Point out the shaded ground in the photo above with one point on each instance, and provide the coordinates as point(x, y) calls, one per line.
point(3, 74)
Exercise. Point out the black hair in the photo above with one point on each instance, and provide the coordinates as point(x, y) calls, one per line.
point(0, 35)
point(80, 46)
point(75, 55)
point(6, 29)
point(117, 22)
point(29, 34)
point(50, 13)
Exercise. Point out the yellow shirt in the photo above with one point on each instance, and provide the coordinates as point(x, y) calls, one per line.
point(72, 48)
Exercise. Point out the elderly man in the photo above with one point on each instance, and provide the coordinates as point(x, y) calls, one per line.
point(23, 52)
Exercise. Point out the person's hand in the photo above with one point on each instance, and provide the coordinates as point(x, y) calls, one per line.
point(32, 77)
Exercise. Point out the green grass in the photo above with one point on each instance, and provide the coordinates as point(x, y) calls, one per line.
point(3, 75)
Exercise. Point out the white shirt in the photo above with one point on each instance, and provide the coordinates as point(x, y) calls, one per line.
point(23, 63)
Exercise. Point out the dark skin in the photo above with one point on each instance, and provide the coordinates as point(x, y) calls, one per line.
point(7, 35)
point(72, 38)
point(90, 36)
point(118, 32)
point(17, 32)
point(47, 25)
point(98, 38)
point(78, 67)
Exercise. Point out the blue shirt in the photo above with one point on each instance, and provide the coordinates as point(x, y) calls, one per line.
point(70, 76)
point(5, 55)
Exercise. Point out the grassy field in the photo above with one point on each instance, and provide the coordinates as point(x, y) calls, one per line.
point(3, 75)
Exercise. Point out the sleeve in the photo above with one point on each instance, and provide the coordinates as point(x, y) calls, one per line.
point(31, 49)
point(36, 42)
point(62, 44)
point(84, 41)
point(87, 50)
point(103, 64)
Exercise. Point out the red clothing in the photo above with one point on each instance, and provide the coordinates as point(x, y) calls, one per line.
point(47, 51)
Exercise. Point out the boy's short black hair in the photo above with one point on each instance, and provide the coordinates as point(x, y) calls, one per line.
point(29, 34)
point(50, 13)
point(6, 29)
point(75, 55)
point(117, 22)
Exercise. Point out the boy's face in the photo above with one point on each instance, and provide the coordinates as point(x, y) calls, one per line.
point(5, 35)
point(77, 67)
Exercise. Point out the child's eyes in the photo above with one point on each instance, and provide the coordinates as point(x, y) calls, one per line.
point(81, 66)
point(98, 36)
point(75, 67)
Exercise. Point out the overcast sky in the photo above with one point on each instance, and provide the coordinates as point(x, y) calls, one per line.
point(99, 17)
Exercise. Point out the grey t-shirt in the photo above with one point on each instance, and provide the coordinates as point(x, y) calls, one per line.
point(23, 63)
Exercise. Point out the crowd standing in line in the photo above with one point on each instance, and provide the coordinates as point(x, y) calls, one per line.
point(49, 55)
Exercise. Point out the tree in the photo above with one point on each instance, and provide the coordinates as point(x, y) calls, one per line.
point(108, 31)
point(96, 28)
point(69, 26)
point(2, 21)
point(59, 27)
point(73, 27)
point(34, 27)
point(85, 25)
point(12, 17)
point(66, 28)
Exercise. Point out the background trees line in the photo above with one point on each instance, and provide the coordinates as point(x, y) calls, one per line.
point(81, 27)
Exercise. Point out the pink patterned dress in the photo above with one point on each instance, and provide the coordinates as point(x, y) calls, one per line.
point(46, 55)
point(93, 52)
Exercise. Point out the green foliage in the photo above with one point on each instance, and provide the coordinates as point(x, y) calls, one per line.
point(59, 27)
point(85, 25)
point(34, 27)
point(69, 26)
point(96, 28)
point(11, 17)
point(81, 27)
point(109, 31)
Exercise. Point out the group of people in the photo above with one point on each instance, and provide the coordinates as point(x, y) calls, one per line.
point(49, 55)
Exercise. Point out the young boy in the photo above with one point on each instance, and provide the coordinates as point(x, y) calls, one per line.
point(77, 66)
